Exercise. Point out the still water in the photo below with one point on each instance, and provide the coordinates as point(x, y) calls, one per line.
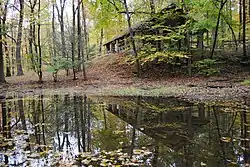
point(66, 130)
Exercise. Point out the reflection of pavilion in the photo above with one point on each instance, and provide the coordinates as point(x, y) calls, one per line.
point(172, 124)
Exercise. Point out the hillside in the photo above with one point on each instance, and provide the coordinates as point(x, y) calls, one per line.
point(111, 75)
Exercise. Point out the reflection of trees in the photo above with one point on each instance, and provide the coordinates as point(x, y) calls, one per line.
point(5, 128)
point(77, 123)
point(83, 121)
point(66, 123)
point(178, 132)
point(188, 134)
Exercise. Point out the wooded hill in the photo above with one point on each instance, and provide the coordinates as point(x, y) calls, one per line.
point(66, 34)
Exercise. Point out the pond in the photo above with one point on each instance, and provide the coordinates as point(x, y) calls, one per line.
point(67, 130)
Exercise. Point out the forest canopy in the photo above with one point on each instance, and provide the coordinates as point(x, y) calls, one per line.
point(65, 34)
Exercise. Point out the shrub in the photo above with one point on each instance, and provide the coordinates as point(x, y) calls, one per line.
point(207, 67)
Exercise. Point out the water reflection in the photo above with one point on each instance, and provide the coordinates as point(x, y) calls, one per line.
point(46, 131)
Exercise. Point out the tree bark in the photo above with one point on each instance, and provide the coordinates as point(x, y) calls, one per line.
point(2, 78)
point(54, 42)
point(31, 27)
point(131, 34)
point(101, 40)
point(73, 42)
point(244, 28)
point(61, 21)
point(6, 49)
point(81, 42)
point(79, 36)
point(40, 73)
point(222, 4)
point(19, 40)
point(240, 18)
point(85, 33)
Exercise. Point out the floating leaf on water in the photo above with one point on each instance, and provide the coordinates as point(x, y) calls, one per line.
point(138, 152)
point(226, 139)
point(94, 159)
point(103, 164)
point(85, 161)
point(203, 164)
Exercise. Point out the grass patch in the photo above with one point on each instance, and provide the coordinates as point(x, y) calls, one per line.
point(158, 91)
point(246, 82)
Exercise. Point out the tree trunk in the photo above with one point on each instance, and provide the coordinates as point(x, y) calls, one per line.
point(61, 21)
point(19, 40)
point(222, 4)
point(12, 52)
point(85, 33)
point(73, 42)
point(240, 18)
point(244, 28)
point(40, 73)
point(32, 6)
point(249, 10)
point(6, 49)
point(81, 42)
point(79, 36)
point(2, 78)
point(131, 34)
point(101, 40)
point(54, 42)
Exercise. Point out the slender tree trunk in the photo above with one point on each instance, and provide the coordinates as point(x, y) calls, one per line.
point(249, 10)
point(79, 38)
point(80, 42)
point(19, 40)
point(2, 78)
point(101, 40)
point(32, 6)
point(54, 42)
point(222, 4)
point(244, 28)
point(131, 33)
point(73, 42)
point(12, 53)
point(240, 18)
point(40, 73)
point(86, 48)
point(7, 55)
point(61, 21)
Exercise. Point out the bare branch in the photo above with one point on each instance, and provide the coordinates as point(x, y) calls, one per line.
point(114, 4)
point(78, 6)
point(12, 38)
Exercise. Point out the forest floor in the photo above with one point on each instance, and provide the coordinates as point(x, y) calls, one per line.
point(110, 75)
